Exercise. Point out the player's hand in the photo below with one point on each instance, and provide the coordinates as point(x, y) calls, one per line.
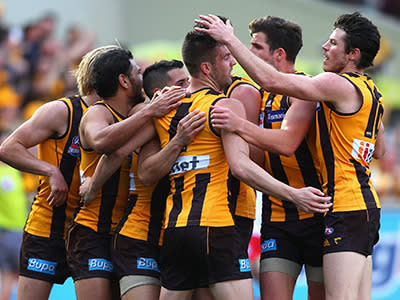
point(166, 100)
point(312, 200)
point(215, 27)
point(59, 189)
point(85, 191)
point(190, 126)
point(224, 118)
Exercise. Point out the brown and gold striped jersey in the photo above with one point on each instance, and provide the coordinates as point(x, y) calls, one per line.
point(200, 181)
point(346, 143)
point(63, 152)
point(105, 211)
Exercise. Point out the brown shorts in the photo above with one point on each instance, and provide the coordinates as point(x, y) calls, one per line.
point(89, 253)
point(297, 241)
point(197, 256)
point(43, 259)
point(355, 231)
point(134, 257)
point(244, 231)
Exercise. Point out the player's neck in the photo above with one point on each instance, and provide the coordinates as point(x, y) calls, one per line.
point(201, 83)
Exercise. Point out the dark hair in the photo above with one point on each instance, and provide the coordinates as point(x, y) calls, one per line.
point(106, 69)
point(156, 75)
point(198, 47)
point(361, 34)
point(280, 33)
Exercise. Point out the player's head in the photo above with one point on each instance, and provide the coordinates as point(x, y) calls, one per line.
point(272, 33)
point(164, 73)
point(205, 57)
point(84, 71)
point(116, 69)
point(361, 33)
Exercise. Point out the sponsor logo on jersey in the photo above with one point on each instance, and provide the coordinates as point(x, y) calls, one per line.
point(147, 264)
point(276, 115)
point(189, 163)
point(362, 150)
point(268, 245)
point(100, 264)
point(329, 230)
point(74, 148)
point(244, 265)
point(42, 266)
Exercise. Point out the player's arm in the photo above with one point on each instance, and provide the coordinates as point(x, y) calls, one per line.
point(250, 97)
point(284, 141)
point(154, 162)
point(236, 150)
point(109, 163)
point(48, 121)
point(107, 136)
point(380, 144)
point(324, 87)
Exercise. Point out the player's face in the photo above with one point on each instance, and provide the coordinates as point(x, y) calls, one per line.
point(136, 81)
point(260, 47)
point(178, 77)
point(222, 69)
point(334, 52)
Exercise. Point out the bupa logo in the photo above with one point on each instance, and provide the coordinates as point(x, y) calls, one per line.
point(189, 163)
point(147, 264)
point(244, 265)
point(329, 230)
point(268, 245)
point(100, 264)
point(74, 148)
point(42, 266)
point(276, 115)
point(362, 150)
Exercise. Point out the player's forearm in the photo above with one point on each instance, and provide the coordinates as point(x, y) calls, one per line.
point(158, 165)
point(253, 175)
point(116, 135)
point(107, 165)
point(20, 158)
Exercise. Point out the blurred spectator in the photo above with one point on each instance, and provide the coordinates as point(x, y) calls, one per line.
point(13, 210)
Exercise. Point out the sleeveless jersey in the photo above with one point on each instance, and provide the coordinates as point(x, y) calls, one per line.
point(105, 211)
point(144, 213)
point(199, 194)
point(63, 152)
point(242, 194)
point(346, 143)
point(298, 170)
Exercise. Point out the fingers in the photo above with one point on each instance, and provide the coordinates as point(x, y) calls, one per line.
point(57, 198)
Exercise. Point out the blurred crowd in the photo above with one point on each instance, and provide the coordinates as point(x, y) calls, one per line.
point(35, 66)
point(389, 7)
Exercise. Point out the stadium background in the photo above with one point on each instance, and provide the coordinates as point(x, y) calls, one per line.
point(154, 30)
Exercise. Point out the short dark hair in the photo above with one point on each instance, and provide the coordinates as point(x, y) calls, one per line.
point(198, 47)
point(361, 33)
point(106, 69)
point(156, 75)
point(280, 34)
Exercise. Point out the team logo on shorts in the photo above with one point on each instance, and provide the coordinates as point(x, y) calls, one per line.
point(100, 264)
point(42, 266)
point(74, 148)
point(147, 264)
point(244, 264)
point(268, 245)
point(329, 230)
